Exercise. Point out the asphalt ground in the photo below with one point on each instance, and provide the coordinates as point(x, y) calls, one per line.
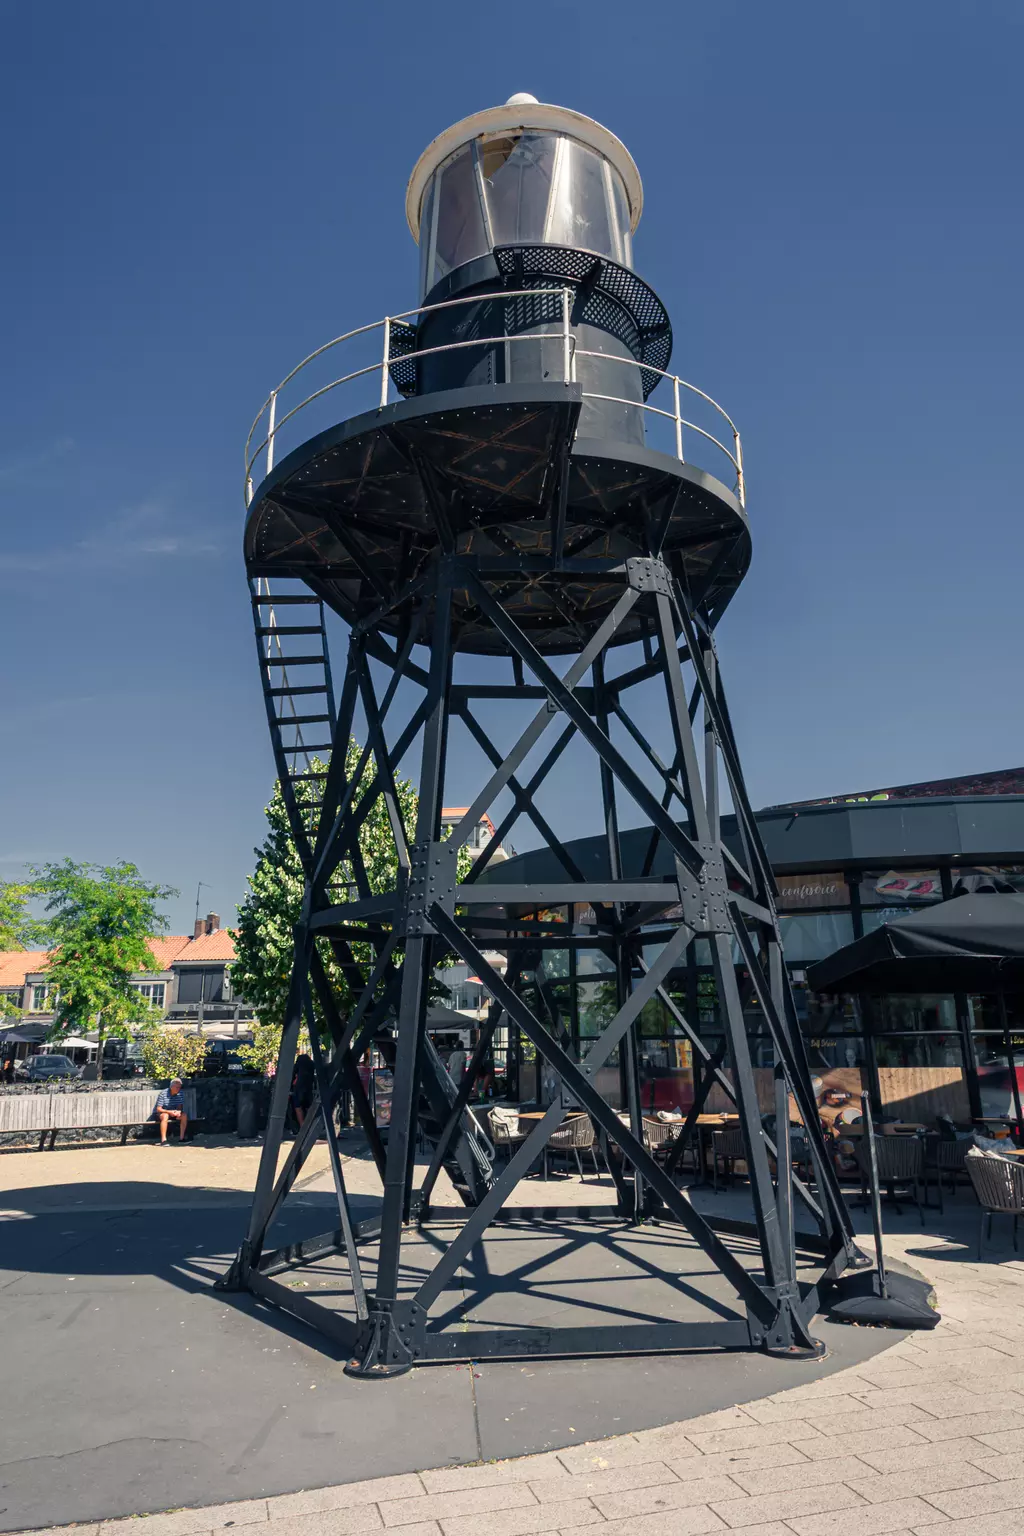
point(130, 1385)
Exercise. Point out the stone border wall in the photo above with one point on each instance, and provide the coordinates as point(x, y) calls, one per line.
point(216, 1106)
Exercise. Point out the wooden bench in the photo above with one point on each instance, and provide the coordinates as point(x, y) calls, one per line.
point(49, 1113)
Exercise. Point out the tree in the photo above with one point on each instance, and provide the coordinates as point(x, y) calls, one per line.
point(18, 928)
point(101, 921)
point(268, 913)
point(261, 1055)
point(170, 1053)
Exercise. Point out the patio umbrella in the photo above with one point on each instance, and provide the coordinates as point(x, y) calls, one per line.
point(23, 1034)
point(971, 943)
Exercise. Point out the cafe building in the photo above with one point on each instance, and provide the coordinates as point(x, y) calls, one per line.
point(843, 867)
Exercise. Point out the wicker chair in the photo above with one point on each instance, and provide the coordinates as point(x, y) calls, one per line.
point(951, 1158)
point(999, 1186)
point(573, 1138)
point(727, 1145)
point(502, 1133)
point(900, 1162)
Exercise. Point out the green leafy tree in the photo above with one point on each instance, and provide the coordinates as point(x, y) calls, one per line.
point(170, 1053)
point(271, 907)
point(101, 921)
point(261, 1054)
point(18, 930)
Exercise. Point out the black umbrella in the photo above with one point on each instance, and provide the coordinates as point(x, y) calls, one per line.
point(972, 943)
point(23, 1034)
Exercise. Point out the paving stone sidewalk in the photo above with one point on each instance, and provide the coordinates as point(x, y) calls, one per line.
point(929, 1433)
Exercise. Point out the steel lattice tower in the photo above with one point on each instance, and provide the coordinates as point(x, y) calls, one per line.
point(507, 504)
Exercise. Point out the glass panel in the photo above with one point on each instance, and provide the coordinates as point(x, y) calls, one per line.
point(460, 224)
point(912, 1011)
point(598, 1005)
point(825, 1013)
point(190, 986)
point(666, 1075)
point(837, 1075)
point(580, 214)
point(920, 1077)
point(994, 1082)
point(426, 241)
point(622, 220)
point(518, 171)
point(813, 936)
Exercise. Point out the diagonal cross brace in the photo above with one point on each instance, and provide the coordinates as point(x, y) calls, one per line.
point(609, 754)
point(577, 1078)
point(542, 719)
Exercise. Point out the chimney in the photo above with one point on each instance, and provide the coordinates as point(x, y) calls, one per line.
point(212, 922)
point(199, 929)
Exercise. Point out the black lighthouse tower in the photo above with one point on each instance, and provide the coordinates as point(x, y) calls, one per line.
point(522, 480)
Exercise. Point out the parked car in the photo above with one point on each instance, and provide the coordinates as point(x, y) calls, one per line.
point(38, 1068)
point(222, 1057)
point(121, 1058)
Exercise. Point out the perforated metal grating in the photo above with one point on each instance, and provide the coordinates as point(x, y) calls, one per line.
point(614, 298)
point(402, 345)
point(608, 297)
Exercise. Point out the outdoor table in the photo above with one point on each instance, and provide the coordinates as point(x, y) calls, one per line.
point(538, 1114)
point(897, 1128)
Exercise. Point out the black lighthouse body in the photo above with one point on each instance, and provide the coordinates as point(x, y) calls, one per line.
point(513, 483)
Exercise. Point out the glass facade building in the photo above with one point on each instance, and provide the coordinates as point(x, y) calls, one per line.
point(843, 867)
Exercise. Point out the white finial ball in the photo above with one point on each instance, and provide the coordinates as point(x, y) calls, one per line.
point(522, 99)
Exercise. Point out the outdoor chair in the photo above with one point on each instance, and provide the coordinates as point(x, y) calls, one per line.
point(900, 1163)
point(505, 1132)
point(660, 1136)
point(572, 1139)
point(949, 1157)
point(999, 1186)
point(727, 1147)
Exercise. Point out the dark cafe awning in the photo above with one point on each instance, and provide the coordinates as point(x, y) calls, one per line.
point(972, 943)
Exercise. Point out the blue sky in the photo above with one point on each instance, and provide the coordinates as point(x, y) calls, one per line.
point(196, 195)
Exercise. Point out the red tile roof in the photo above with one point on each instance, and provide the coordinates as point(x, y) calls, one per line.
point(167, 948)
point(16, 964)
point(217, 945)
point(453, 813)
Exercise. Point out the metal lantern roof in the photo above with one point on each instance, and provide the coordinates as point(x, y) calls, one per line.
point(521, 113)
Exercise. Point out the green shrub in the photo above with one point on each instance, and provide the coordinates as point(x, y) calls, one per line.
point(169, 1053)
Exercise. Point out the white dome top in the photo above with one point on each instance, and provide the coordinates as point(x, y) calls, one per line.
point(522, 112)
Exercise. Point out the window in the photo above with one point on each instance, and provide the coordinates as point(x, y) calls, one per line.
point(195, 985)
point(42, 1001)
point(521, 188)
point(809, 937)
point(153, 992)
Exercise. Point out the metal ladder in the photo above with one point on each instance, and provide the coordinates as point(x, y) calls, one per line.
point(295, 671)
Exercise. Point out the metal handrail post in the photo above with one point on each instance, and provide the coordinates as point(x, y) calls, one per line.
point(741, 489)
point(679, 419)
point(876, 1198)
point(384, 364)
point(271, 429)
point(566, 339)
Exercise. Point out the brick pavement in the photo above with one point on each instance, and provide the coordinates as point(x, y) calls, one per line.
point(928, 1434)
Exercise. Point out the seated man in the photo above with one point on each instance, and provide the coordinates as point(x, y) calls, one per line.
point(170, 1105)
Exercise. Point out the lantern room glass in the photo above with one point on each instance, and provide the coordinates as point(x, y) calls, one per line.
point(523, 188)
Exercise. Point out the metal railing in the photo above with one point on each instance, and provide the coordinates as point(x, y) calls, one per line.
point(268, 411)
